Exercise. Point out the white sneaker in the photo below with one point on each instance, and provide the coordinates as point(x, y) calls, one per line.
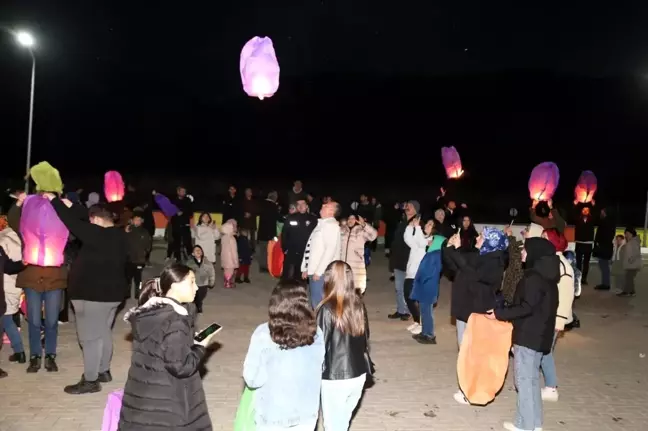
point(412, 326)
point(510, 427)
point(459, 397)
point(549, 394)
point(416, 329)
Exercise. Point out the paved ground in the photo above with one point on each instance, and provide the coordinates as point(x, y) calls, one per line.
point(602, 369)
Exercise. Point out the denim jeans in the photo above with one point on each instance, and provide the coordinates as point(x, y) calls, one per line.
point(399, 283)
point(604, 266)
point(528, 415)
point(51, 302)
point(13, 334)
point(316, 288)
point(548, 366)
point(461, 328)
point(427, 319)
point(339, 400)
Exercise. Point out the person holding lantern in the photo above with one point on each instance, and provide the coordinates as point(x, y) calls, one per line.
point(181, 224)
point(97, 287)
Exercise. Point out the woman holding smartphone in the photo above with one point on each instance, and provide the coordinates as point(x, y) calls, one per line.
point(164, 389)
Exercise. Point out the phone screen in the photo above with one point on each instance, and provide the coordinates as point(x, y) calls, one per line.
point(211, 329)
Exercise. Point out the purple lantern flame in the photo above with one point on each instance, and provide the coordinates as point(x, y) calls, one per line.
point(451, 162)
point(544, 181)
point(585, 187)
point(259, 68)
point(44, 234)
point(166, 206)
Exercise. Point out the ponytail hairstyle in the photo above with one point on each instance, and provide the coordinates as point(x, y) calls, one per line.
point(160, 286)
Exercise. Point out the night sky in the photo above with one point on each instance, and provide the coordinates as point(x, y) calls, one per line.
point(368, 87)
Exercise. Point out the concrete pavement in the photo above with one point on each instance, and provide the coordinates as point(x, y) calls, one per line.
point(602, 369)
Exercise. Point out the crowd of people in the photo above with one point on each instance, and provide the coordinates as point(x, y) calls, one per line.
point(314, 350)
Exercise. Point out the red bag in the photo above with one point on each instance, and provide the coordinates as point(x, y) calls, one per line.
point(275, 258)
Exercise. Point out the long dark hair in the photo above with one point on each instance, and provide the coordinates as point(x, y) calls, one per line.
point(173, 273)
point(201, 216)
point(292, 320)
point(343, 299)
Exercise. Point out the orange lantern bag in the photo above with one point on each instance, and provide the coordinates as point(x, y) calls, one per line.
point(275, 258)
point(483, 358)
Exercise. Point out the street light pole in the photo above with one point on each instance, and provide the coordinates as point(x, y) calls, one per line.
point(31, 120)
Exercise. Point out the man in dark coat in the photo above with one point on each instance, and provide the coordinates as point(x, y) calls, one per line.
point(230, 206)
point(294, 237)
point(399, 254)
point(604, 247)
point(268, 218)
point(181, 224)
point(248, 216)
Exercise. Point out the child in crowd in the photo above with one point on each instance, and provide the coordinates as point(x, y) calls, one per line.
point(229, 252)
point(206, 233)
point(245, 253)
point(284, 362)
point(617, 264)
point(140, 244)
point(164, 389)
point(205, 275)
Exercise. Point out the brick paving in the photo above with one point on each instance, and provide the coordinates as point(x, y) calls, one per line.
point(602, 370)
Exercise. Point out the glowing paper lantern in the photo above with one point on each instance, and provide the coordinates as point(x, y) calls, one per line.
point(166, 206)
point(451, 162)
point(44, 234)
point(259, 68)
point(544, 181)
point(113, 186)
point(585, 188)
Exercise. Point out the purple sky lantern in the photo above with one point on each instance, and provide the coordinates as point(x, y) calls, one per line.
point(544, 181)
point(451, 162)
point(44, 234)
point(259, 68)
point(168, 208)
point(585, 188)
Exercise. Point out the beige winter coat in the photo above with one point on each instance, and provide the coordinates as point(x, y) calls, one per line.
point(206, 237)
point(229, 251)
point(10, 242)
point(631, 255)
point(352, 251)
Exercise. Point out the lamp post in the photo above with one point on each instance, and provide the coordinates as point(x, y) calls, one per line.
point(26, 40)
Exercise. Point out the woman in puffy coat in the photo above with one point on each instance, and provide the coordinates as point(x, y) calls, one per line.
point(11, 248)
point(207, 233)
point(355, 234)
point(164, 390)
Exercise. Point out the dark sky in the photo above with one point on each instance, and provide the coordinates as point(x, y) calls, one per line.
point(119, 84)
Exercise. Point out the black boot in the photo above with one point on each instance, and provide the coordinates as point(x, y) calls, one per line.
point(50, 363)
point(83, 387)
point(34, 364)
point(238, 280)
point(246, 280)
point(21, 358)
point(105, 377)
point(3, 373)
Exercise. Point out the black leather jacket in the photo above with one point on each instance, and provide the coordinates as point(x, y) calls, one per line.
point(345, 354)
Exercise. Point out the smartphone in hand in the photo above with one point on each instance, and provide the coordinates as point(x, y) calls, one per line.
point(212, 329)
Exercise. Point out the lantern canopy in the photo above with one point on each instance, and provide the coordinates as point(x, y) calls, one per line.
point(259, 68)
point(544, 181)
point(168, 208)
point(585, 188)
point(44, 234)
point(451, 162)
point(113, 186)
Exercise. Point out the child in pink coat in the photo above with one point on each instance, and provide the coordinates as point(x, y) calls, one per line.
point(229, 252)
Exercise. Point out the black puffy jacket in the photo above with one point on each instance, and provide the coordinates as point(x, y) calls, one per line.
point(164, 390)
point(345, 354)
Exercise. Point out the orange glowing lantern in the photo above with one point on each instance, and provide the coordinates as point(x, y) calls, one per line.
point(44, 235)
point(451, 162)
point(544, 181)
point(113, 186)
point(585, 188)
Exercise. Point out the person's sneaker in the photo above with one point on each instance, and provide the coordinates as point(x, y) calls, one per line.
point(50, 363)
point(625, 295)
point(412, 326)
point(424, 339)
point(246, 280)
point(3, 373)
point(398, 315)
point(21, 358)
point(416, 329)
point(602, 287)
point(34, 364)
point(83, 387)
point(549, 394)
point(460, 398)
point(238, 280)
point(509, 426)
point(105, 377)
point(392, 278)
point(575, 324)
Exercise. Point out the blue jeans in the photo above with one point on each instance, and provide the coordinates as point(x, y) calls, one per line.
point(316, 288)
point(427, 319)
point(367, 254)
point(461, 328)
point(13, 334)
point(528, 415)
point(36, 301)
point(548, 366)
point(604, 266)
point(399, 283)
point(339, 400)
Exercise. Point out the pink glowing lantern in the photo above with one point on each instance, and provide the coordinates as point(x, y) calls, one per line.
point(44, 234)
point(113, 186)
point(544, 181)
point(259, 68)
point(451, 162)
point(585, 188)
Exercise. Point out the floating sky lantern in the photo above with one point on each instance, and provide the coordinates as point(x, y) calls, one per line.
point(168, 208)
point(44, 235)
point(451, 162)
point(585, 188)
point(544, 181)
point(113, 186)
point(259, 68)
